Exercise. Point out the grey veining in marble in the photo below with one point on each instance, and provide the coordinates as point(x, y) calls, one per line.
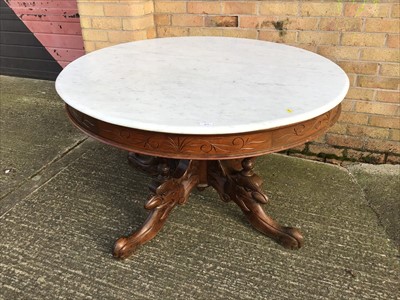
point(202, 85)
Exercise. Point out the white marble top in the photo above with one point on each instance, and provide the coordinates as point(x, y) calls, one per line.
point(202, 85)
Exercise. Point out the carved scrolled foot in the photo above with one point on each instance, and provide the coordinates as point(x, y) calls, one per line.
point(288, 237)
point(126, 246)
point(123, 248)
point(244, 188)
point(168, 194)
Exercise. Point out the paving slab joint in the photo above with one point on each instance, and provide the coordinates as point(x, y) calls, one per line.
point(365, 198)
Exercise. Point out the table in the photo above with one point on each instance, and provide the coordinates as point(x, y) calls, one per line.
point(195, 112)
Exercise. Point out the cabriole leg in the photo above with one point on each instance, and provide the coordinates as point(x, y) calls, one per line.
point(244, 188)
point(170, 192)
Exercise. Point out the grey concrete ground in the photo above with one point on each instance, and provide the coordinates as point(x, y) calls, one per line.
point(66, 198)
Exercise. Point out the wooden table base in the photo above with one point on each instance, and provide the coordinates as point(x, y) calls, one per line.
point(234, 180)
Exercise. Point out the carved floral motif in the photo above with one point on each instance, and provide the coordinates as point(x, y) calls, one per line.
point(323, 121)
point(299, 130)
point(188, 145)
point(178, 144)
point(206, 146)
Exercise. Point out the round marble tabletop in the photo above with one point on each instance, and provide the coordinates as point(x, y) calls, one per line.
point(202, 85)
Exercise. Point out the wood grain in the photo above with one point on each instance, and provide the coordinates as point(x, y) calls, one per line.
point(204, 147)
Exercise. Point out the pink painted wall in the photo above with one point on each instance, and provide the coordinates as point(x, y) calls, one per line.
point(55, 24)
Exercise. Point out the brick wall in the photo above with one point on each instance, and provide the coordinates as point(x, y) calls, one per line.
point(106, 23)
point(361, 36)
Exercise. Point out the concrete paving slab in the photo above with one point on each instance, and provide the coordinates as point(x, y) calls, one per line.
point(33, 130)
point(57, 242)
point(56, 239)
point(381, 186)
